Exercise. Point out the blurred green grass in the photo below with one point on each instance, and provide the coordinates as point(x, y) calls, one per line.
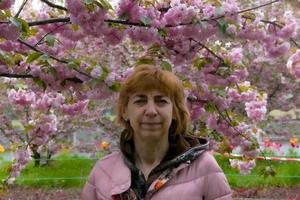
point(287, 174)
point(66, 171)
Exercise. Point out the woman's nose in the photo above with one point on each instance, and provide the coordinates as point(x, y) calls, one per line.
point(150, 109)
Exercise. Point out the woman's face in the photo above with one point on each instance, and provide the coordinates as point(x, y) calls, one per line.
point(150, 114)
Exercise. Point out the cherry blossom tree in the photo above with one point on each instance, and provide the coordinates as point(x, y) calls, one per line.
point(232, 56)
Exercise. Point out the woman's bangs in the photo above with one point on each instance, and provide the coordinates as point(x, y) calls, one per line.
point(149, 83)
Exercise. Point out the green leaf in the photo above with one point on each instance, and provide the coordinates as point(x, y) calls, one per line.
point(124, 16)
point(289, 96)
point(115, 87)
point(33, 56)
point(28, 128)
point(146, 20)
point(21, 24)
point(105, 4)
point(210, 107)
point(145, 60)
point(16, 124)
point(243, 88)
point(219, 11)
point(53, 72)
point(105, 72)
point(199, 63)
point(166, 66)
point(163, 32)
point(94, 82)
point(88, 1)
point(45, 57)
point(7, 111)
point(75, 27)
point(16, 22)
point(222, 24)
point(20, 86)
point(90, 7)
point(40, 83)
point(74, 64)
point(267, 171)
point(7, 59)
point(24, 25)
point(204, 24)
point(195, 21)
point(50, 40)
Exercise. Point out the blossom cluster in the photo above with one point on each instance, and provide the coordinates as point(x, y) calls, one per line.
point(257, 109)
point(244, 167)
point(21, 159)
point(293, 64)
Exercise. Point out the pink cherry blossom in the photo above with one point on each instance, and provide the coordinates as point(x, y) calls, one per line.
point(21, 97)
point(209, 11)
point(75, 109)
point(6, 4)
point(236, 55)
point(251, 33)
point(293, 64)
point(96, 72)
point(130, 8)
point(9, 32)
point(212, 122)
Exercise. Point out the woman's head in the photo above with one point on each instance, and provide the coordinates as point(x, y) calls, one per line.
point(150, 78)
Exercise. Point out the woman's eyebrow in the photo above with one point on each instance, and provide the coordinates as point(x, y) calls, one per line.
point(140, 96)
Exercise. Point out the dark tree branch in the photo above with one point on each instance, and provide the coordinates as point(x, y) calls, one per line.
point(53, 57)
point(49, 21)
point(54, 5)
point(209, 50)
point(242, 11)
point(73, 79)
point(125, 23)
point(275, 24)
point(29, 46)
point(67, 19)
point(274, 91)
point(16, 75)
point(39, 42)
point(21, 8)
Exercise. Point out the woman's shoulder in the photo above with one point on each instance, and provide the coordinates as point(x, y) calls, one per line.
point(207, 163)
point(109, 160)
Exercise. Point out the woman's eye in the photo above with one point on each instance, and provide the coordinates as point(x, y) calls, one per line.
point(140, 101)
point(162, 101)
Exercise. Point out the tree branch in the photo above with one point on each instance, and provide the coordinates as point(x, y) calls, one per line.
point(242, 11)
point(16, 75)
point(73, 79)
point(49, 21)
point(54, 5)
point(53, 57)
point(39, 42)
point(275, 24)
point(21, 8)
point(209, 50)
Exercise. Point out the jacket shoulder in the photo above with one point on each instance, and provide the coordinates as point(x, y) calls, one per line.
point(204, 165)
point(106, 163)
point(207, 163)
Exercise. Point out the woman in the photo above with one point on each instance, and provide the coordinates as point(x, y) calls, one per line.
point(157, 160)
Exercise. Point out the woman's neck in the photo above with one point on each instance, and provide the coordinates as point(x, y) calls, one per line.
point(149, 154)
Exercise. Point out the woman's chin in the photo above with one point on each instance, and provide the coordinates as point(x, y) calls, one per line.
point(151, 134)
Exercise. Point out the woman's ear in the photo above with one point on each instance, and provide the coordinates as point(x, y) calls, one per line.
point(125, 115)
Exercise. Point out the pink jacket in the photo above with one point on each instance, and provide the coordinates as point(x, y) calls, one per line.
point(199, 179)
